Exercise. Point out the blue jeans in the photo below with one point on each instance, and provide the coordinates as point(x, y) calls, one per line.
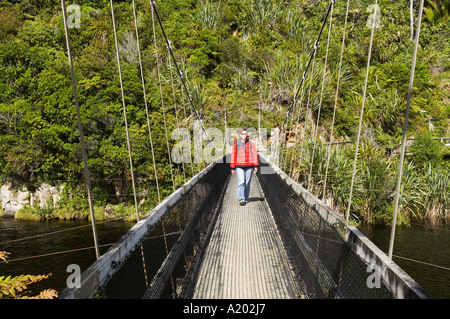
point(244, 177)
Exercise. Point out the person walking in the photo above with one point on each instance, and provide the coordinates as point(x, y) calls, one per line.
point(244, 162)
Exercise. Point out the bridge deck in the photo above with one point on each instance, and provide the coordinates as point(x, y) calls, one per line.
point(245, 258)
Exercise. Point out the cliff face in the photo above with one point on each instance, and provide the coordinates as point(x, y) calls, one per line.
point(15, 198)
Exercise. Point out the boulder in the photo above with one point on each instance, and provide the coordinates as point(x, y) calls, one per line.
point(15, 198)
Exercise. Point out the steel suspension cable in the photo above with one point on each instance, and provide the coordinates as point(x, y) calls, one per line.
point(185, 116)
point(54, 253)
point(162, 101)
point(176, 110)
point(283, 165)
point(316, 129)
point(361, 112)
point(124, 111)
point(292, 172)
point(313, 53)
point(405, 129)
point(144, 264)
point(284, 159)
point(57, 231)
point(304, 127)
point(316, 46)
point(335, 102)
point(309, 95)
point(182, 162)
point(308, 102)
point(80, 129)
point(163, 224)
point(180, 75)
point(146, 104)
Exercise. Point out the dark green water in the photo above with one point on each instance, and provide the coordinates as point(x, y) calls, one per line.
point(426, 243)
point(62, 236)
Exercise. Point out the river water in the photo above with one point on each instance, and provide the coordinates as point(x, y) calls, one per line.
point(51, 246)
point(422, 250)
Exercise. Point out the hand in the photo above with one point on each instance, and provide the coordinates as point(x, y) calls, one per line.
point(233, 172)
point(255, 170)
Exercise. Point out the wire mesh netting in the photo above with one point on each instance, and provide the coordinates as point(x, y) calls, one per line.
point(164, 261)
point(161, 264)
point(323, 264)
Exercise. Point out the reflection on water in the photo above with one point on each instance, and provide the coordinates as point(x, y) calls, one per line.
point(428, 244)
point(425, 243)
point(63, 245)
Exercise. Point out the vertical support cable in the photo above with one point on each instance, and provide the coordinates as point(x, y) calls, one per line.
point(405, 128)
point(162, 100)
point(316, 129)
point(169, 47)
point(80, 129)
point(144, 265)
point(124, 111)
point(335, 102)
point(165, 129)
point(296, 148)
point(362, 112)
point(308, 102)
point(145, 102)
point(176, 110)
point(313, 54)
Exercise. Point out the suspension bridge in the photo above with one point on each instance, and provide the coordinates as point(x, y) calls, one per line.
point(285, 243)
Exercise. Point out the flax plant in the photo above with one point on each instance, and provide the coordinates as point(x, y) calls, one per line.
point(262, 14)
point(412, 191)
point(208, 14)
point(283, 73)
point(338, 179)
point(437, 200)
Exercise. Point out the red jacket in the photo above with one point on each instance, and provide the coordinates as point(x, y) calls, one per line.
point(247, 159)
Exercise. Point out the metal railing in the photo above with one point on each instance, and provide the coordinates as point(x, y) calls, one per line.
point(156, 257)
point(330, 258)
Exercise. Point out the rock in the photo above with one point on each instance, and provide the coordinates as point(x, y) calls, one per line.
point(109, 210)
point(43, 195)
point(13, 199)
point(5, 194)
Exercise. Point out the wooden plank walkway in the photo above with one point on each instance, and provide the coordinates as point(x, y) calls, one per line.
point(245, 258)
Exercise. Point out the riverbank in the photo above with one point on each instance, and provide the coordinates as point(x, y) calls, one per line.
point(48, 202)
point(121, 211)
point(64, 242)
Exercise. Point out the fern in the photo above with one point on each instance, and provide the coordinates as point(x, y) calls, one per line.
point(15, 287)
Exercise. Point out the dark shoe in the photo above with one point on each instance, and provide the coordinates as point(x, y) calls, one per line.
point(241, 202)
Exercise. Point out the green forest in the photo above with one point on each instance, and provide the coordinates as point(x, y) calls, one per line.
point(242, 62)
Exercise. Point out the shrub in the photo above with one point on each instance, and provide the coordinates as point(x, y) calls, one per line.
point(426, 151)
